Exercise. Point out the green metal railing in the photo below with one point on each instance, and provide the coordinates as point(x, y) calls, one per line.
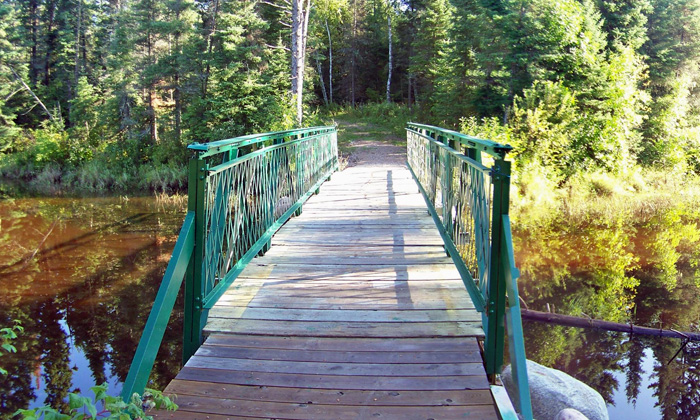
point(240, 192)
point(469, 201)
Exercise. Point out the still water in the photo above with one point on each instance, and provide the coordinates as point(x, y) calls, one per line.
point(640, 272)
point(81, 275)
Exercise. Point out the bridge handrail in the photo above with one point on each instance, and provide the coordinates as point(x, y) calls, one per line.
point(233, 144)
point(240, 192)
point(493, 148)
point(469, 203)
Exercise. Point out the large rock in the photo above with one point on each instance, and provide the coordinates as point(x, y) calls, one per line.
point(570, 414)
point(552, 390)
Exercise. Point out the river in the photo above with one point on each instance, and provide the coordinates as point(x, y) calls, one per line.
point(80, 275)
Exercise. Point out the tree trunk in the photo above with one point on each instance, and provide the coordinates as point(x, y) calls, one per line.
point(210, 46)
point(330, 63)
point(574, 321)
point(300, 27)
point(33, 18)
point(409, 90)
point(153, 127)
point(296, 25)
point(354, 50)
point(50, 40)
point(176, 79)
point(320, 76)
point(391, 65)
point(76, 69)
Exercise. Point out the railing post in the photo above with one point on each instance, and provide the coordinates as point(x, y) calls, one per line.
point(192, 333)
point(496, 298)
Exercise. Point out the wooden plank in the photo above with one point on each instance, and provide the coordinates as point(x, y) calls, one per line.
point(377, 221)
point(339, 356)
point(354, 239)
point(330, 396)
point(308, 288)
point(344, 329)
point(366, 383)
point(275, 314)
point(341, 272)
point(214, 406)
point(434, 344)
point(342, 369)
point(390, 260)
point(349, 285)
point(347, 251)
point(395, 304)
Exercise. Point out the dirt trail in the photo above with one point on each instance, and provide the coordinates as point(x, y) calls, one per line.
point(368, 144)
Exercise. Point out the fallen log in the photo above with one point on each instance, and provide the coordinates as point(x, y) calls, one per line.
point(575, 321)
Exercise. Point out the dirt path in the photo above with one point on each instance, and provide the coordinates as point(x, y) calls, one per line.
point(363, 143)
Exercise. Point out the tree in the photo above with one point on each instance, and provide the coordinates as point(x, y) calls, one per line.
point(300, 27)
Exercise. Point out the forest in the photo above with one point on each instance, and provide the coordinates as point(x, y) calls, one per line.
point(105, 94)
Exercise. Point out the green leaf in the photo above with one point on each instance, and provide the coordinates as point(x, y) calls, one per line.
point(9, 348)
point(100, 391)
point(75, 401)
point(91, 408)
point(25, 414)
point(51, 414)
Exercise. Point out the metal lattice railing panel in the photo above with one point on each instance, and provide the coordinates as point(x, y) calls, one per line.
point(459, 188)
point(469, 203)
point(245, 196)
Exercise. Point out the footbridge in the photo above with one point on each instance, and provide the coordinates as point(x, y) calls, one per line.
point(380, 291)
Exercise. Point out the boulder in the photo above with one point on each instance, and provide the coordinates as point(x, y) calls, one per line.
point(552, 391)
point(570, 414)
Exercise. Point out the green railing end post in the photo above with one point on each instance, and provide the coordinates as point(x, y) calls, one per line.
point(192, 336)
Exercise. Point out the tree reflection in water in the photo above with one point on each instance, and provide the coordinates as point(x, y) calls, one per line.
point(89, 288)
point(643, 273)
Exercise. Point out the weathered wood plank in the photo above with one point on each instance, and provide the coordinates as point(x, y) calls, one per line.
point(322, 411)
point(353, 272)
point(390, 260)
point(351, 286)
point(353, 239)
point(330, 396)
point(392, 304)
point(369, 251)
point(432, 345)
point(275, 314)
point(366, 383)
point(457, 356)
point(343, 369)
point(344, 329)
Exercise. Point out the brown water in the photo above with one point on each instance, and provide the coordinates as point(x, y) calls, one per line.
point(81, 275)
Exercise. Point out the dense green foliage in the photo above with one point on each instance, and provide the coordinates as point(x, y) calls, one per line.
point(107, 94)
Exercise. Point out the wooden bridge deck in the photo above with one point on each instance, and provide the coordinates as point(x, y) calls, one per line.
point(354, 313)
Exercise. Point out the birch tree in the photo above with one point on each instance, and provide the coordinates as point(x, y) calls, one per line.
point(300, 29)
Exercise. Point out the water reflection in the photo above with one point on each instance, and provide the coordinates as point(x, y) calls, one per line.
point(81, 284)
point(645, 274)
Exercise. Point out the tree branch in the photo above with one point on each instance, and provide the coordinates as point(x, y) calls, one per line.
point(30, 91)
point(277, 47)
point(286, 8)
